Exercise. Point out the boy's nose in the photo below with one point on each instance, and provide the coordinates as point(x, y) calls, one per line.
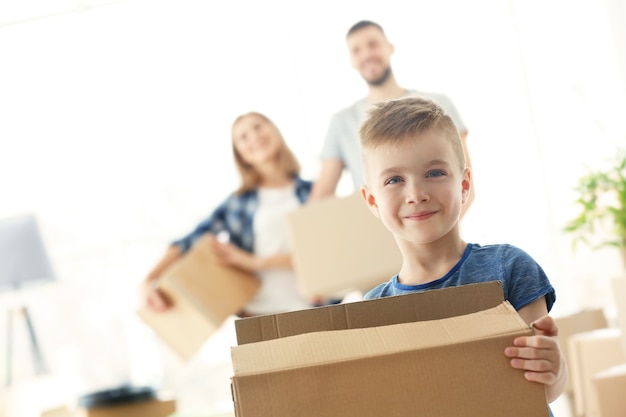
point(417, 195)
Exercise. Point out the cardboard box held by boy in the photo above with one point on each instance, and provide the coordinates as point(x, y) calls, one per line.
point(437, 353)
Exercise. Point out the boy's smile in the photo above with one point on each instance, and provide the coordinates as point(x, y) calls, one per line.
point(420, 216)
point(416, 187)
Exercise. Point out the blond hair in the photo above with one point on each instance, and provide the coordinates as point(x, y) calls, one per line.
point(285, 159)
point(394, 121)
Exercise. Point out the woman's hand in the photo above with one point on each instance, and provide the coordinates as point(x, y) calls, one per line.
point(153, 298)
point(150, 295)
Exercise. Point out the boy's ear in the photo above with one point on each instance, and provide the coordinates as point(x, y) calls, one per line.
point(466, 184)
point(370, 200)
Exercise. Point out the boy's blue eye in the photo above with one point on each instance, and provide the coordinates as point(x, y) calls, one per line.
point(393, 180)
point(435, 173)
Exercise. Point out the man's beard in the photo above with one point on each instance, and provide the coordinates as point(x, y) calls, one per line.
point(380, 80)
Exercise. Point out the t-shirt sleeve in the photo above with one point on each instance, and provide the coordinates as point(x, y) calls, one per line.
point(331, 148)
point(385, 289)
point(526, 281)
point(374, 293)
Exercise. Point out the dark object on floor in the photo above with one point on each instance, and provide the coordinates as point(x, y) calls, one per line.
point(122, 395)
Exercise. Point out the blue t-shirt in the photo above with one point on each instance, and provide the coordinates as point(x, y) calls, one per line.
point(522, 279)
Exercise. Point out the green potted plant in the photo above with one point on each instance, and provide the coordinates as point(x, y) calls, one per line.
point(601, 221)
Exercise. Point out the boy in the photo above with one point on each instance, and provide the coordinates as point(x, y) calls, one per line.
point(416, 182)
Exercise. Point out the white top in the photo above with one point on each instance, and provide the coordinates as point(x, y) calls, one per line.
point(278, 292)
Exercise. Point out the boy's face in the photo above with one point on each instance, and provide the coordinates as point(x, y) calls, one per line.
point(416, 187)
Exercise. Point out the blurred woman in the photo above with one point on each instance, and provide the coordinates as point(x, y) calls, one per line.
point(254, 218)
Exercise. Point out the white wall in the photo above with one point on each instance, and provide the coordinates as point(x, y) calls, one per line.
point(115, 127)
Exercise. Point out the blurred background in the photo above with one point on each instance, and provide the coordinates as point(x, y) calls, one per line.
point(115, 124)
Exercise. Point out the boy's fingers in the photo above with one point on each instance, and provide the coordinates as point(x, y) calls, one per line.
point(523, 353)
point(547, 378)
point(546, 325)
point(531, 348)
point(537, 342)
point(535, 365)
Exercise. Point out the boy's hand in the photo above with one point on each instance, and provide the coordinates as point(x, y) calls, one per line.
point(539, 355)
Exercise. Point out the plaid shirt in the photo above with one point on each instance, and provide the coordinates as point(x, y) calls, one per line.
point(235, 216)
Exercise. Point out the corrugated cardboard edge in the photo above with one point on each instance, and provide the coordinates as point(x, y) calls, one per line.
point(428, 305)
point(319, 348)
